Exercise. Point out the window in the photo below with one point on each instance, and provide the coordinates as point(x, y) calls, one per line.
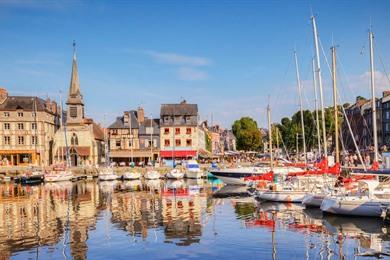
point(118, 143)
point(188, 131)
point(189, 142)
point(20, 126)
point(34, 139)
point(130, 143)
point(178, 142)
point(387, 114)
point(7, 140)
point(6, 114)
point(74, 140)
point(177, 131)
point(149, 130)
point(166, 131)
point(73, 112)
point(34, 126)
point(114, 131)
point(167, 142)
point(155, 143)
point(33, 114)
point(20, 114)
point(20, 139)
point(7, 126)
point(147, 143)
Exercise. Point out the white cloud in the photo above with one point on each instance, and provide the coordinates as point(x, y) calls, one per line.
point(187, 73)
point(178, 59)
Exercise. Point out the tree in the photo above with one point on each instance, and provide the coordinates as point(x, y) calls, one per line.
point(247, 134)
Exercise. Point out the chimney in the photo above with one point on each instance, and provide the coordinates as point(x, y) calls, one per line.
point(385, 93)
point(141, 115)
point(126, 117)
point(3, 95)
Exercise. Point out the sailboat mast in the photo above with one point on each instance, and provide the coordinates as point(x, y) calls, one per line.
point(316, 107)
point(151, 139)
point(300, 104)
point(318, 69)
point(374, 126)
point(270, 136)
point(336, 119)
point(131, 139)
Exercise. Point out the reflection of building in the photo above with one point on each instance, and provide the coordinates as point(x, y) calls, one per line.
point(180, 135)
point(84, 137)
point(37, 216)
point(123, 146)
point(27, 129)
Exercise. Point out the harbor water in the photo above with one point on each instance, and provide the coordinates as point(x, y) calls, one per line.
point(188, 219)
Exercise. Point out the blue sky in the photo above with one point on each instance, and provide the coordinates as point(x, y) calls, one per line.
point(226, 56)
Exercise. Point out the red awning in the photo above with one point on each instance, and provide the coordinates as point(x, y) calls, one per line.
point(186, 153)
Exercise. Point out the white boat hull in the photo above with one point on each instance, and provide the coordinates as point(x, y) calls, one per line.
point(232, 180)
point(61, 176)
point(353, 207)
point(281, 196)
point(131, 175)
point(152, 175)
point(174, 174)
point(193, 174)
point(313, 200)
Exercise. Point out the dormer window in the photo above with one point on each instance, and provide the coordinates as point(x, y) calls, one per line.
point(20, 114)
point(6, 114)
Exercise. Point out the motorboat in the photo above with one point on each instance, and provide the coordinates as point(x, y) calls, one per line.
point(59, 173)
point(193, 170)
point(240, 175)
point(107, 174)
point(32, 176)
point(131, 175)
point(175, 174)
point(152, 175)
point(283, 195)
point(364, 203)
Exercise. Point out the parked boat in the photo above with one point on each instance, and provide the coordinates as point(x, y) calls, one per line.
point(152, 175)
point(193, 170)
point(175, 174)
point(242, 176)
point(107, 174)
point(131, 175)
point(32, 176)
point(59, 173)
point(363, 203)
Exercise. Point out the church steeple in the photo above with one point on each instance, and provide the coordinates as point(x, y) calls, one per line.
point(74, 96)
point(75, 113)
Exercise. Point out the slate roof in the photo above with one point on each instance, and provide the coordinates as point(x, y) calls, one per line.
point(182, 109)
point(119, 122)
point(25, 103)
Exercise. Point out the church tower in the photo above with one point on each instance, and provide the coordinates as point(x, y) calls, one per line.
point(75, 103)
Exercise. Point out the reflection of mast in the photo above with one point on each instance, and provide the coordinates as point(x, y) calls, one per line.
point(273, 237)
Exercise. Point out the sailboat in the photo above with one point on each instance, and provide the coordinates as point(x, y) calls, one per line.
point(363, 203)
point(107, 172)
point(131, 175)
point(60, 172)
point(292, 190)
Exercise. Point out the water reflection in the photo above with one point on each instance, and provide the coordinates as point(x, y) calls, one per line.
point(89, 219)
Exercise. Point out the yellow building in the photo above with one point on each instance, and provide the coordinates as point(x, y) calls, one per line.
point(27, 129)
point(83, 137)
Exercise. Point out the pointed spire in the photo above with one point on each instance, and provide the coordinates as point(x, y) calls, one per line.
point(74, 96)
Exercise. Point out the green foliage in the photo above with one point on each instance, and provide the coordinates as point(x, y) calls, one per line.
point(208, 142)
point(247, 134)
point(289, 128)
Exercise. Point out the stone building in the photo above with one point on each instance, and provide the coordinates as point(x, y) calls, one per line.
point(386, 118)
point(83, 137)
point(180, 135)
point(136, 147)
point(27, 129)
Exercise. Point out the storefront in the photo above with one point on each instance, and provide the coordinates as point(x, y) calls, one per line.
point(18, 157)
